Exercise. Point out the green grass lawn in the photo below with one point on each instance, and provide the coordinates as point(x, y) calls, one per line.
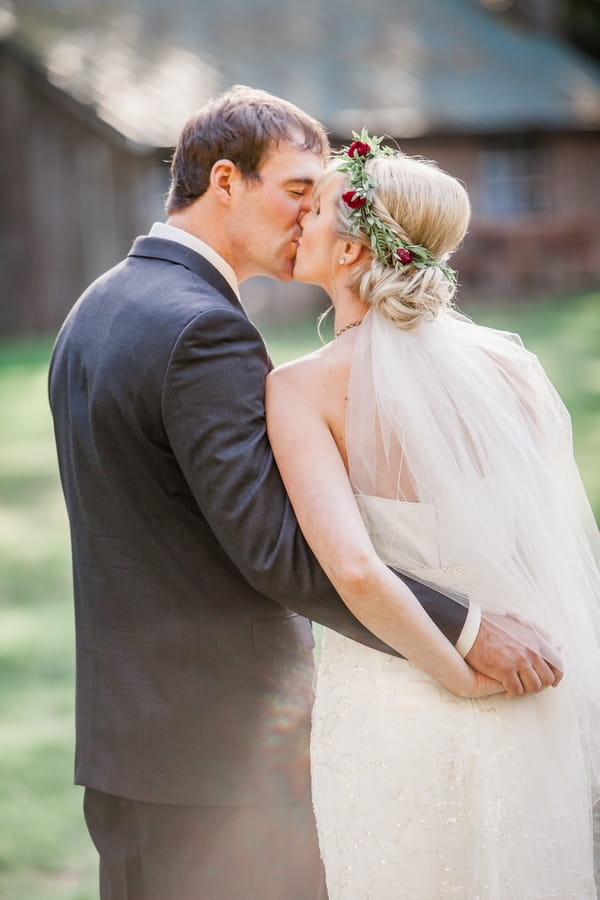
point(44, 849)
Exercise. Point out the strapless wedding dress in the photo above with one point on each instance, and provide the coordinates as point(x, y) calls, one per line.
point(419, 794)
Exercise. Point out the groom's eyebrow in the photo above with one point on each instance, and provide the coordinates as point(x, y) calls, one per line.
point(301, 180)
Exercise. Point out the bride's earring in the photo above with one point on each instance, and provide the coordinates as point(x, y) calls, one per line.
point(341, 261)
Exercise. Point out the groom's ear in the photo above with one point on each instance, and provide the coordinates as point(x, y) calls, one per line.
point(222, 176)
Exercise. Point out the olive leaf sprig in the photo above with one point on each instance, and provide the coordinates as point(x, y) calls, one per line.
point(386, 245)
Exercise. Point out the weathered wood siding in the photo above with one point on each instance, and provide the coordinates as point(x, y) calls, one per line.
point(72, 198)
point(74, 194)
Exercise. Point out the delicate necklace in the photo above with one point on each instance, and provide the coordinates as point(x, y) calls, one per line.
point(348, 327)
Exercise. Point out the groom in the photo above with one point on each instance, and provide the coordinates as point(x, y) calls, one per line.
point(193, 586)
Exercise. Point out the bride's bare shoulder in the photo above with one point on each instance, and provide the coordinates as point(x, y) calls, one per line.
point(323, 368)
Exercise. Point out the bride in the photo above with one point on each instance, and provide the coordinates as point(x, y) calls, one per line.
point(442, 445)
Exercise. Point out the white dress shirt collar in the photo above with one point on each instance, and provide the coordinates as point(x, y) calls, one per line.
point(172, 233)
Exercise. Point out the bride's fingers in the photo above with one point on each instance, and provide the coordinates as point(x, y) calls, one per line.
point(487, 686)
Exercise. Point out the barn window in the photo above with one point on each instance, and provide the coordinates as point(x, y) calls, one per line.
point(513, 176)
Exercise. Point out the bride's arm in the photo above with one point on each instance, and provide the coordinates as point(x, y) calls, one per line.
point(317, 483)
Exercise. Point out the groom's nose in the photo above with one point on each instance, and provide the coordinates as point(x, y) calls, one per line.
point(305, 205)
point(302, 213)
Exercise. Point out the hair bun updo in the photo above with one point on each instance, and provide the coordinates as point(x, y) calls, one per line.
point(424, 206)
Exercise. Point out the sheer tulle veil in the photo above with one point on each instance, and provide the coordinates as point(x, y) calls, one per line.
point(462, 418)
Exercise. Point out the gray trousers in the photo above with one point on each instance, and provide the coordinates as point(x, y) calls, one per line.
point(151, 851)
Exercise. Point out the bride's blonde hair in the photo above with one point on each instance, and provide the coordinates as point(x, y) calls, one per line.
point(422, 205)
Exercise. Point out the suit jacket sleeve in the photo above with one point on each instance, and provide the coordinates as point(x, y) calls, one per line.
point(213, 409)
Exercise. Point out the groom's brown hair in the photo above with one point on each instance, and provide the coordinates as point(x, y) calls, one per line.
point(241, 125)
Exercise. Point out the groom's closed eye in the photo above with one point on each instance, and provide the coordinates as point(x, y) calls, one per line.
point(300, 186)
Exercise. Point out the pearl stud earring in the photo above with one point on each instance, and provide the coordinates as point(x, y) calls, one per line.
point(341, 261)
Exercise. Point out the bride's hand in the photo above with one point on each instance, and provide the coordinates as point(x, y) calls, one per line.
point(473, 684)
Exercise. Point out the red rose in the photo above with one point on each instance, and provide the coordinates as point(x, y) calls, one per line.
point(359, 148)
point(404, 255)
point(354, 202)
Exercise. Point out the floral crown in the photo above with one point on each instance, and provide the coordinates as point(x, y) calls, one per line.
point(386, 245)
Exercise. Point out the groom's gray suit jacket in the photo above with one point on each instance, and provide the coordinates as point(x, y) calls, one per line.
point(192, 582)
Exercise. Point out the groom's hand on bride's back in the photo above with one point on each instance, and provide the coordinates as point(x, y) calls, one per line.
point(516, 654)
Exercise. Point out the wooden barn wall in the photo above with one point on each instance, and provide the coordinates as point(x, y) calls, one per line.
point(73, 195)
point(551, 250)
point(71, 199)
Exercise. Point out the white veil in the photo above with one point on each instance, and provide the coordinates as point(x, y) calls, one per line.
point(462, 418)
